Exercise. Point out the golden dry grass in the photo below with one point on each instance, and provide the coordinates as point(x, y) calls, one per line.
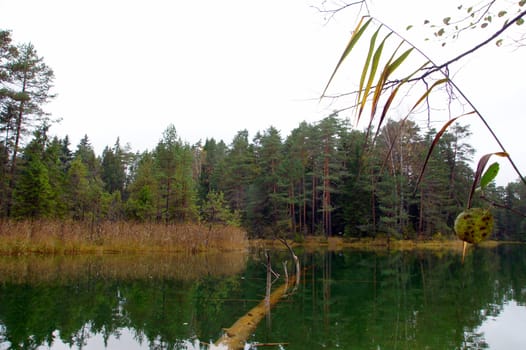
point(72, 237)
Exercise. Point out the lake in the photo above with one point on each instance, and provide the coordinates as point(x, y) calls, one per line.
point(346, 299)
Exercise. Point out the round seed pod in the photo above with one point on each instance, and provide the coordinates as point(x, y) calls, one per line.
point(474, 225)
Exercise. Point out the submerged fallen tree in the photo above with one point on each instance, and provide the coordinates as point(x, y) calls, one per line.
point(235, 337)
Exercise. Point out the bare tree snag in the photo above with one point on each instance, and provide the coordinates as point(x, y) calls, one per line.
point(236, 335)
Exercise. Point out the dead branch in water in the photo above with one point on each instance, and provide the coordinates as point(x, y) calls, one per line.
point(236, 336)
point(295, 258)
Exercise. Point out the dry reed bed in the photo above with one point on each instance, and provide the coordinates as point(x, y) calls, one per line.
point(72, 237)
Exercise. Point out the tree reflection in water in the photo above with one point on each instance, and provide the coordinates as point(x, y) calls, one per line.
point(347, 299)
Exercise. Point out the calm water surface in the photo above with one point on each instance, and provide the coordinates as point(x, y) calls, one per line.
point(346, 300)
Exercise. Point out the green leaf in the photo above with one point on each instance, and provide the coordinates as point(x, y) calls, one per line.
point(502, 13)
point(522, 2)
point(489, 175)
point(440, 32)
point(367, 63)
point(480, 168)
point(499, 42)
point(409, 27)
point(520, 21)
point(386, 72)
point(374, 67)
point(399, 60)
point(446, 20)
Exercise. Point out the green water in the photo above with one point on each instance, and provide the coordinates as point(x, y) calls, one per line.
point(345, 300)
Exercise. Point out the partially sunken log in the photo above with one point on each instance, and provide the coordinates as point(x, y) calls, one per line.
point(236, 336)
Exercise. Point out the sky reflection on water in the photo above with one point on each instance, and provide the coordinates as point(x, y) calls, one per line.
point(508, 329)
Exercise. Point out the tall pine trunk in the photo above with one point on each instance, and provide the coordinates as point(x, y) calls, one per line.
point(18, 134)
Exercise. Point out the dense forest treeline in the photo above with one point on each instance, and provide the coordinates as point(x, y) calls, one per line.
point(323, 178)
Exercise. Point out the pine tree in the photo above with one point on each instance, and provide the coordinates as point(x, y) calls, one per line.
point(176, 186)
point(78, 189)
point(239, 171)
point(57, 161)
point(113, 168)
point(212, 167)
point(433, 193)
point(86, 154)
point(84, 187)
point(353, 214)
point(33, 196)
point(510, 216)
point(215, 210)
point(186, 195)
point(293, 172)
point(330, 131)
point(270, 202)
point(399, 144)
point(143, 201)
point(26, 83)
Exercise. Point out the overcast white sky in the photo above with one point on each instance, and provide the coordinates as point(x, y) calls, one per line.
point(129, 68)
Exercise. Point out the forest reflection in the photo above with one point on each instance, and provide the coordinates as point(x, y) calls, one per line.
point(404, 300)
point(346, 299)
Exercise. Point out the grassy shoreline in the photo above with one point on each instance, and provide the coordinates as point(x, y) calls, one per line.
point(378, 244)
point(73, 237)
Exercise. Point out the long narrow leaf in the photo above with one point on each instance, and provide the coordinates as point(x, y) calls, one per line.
point(422, 98)
point(426, 94)
point(392, 96)
point(357, 33)
point(387, 104)
point(435, 142)
point(389, 68)
point(393, 66)
point(367, 63)
point(381, 84)
point(374, 67)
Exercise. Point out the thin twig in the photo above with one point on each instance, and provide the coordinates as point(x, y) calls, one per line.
point(498, 205)
point(445, 65)
point(480, 45)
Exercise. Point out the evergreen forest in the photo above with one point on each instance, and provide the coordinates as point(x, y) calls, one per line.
point(324, 178)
